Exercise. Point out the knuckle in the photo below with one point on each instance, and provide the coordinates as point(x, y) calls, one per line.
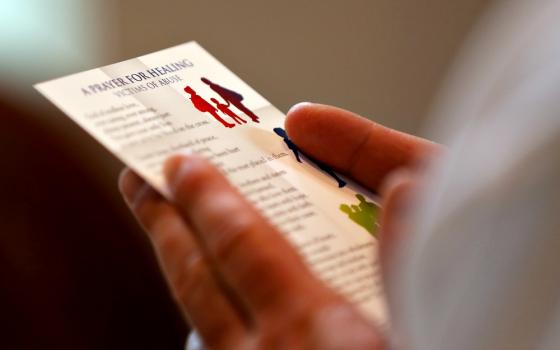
point(192, 280)
point(167, 242)
point(153, 216)
point(356, 156)
point(229, 237)
point(148, 210)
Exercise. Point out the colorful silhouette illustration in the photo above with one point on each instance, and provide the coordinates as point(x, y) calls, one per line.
point(203, 106)
point(232, 97)
point(328, 170)
point(225, 109)
point(292, 146)
point(364, 214)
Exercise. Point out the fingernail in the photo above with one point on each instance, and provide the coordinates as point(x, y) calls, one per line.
point(129, 183)
point(122, 181)
point(175, 169)
point(298, 106)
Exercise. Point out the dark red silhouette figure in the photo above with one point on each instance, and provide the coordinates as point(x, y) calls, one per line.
point(203, 106)
point(225, 109)
point(231, 96)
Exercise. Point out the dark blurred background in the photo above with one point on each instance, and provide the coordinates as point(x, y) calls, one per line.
point(76, 272)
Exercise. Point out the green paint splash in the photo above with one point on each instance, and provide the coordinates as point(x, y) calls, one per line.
point(365, 214)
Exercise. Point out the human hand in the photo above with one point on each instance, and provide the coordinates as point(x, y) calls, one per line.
point(239, 282)
point(383, 160)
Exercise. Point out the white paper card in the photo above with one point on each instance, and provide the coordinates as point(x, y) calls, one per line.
point(182, 99)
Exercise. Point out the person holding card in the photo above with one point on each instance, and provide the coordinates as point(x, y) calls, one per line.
point(469, 233)
point(468, 240)
point(240, 281)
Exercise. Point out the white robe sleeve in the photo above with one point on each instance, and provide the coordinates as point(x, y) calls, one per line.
point(480, 269)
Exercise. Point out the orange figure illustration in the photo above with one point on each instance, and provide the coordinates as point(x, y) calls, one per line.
point(225, 109)
point(231, 96)
point(203, 106)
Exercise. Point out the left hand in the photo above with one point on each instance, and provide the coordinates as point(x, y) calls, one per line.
point(239, 282)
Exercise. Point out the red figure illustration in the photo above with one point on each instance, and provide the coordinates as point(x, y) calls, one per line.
point(231, 96)
point(203, 106)
point(225, 109)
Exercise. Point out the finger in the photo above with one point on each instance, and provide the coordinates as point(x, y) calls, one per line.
point(353, 145)
point(185, 267)
point(397, 192)
point(352, 331)
point(259, 264)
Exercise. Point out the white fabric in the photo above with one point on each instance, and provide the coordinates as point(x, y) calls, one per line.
point(480, 268)
point(194, 342)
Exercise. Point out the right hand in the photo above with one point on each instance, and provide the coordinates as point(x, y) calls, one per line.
point(383, 160)
point(240, 283)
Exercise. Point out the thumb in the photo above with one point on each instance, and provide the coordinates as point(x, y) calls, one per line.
point(396, 193)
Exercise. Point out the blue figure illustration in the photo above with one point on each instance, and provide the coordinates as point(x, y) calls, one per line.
point(328, 170)
point(292, 146)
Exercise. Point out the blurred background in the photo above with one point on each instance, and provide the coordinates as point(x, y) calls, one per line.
point(75, 270)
